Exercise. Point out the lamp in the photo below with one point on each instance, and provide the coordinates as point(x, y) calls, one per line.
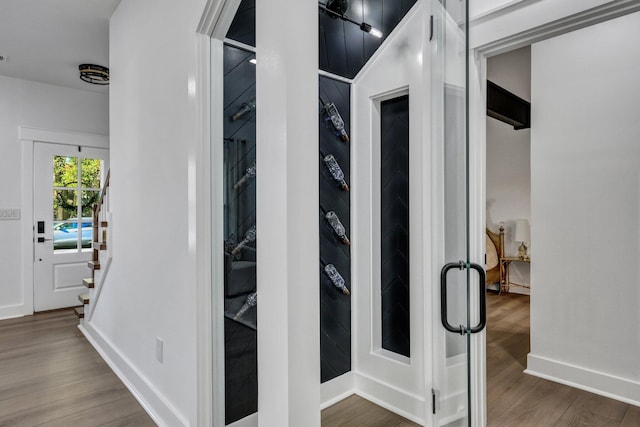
point(337, 8)
point(523, 235)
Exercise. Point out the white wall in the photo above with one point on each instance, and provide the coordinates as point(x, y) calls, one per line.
point(150, 291)
point(508, 159)
point(26, 103)
point(586, 208)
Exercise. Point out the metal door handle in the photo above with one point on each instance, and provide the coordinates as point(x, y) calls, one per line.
point(482, 298)
point(42, 240)
point(461, 329)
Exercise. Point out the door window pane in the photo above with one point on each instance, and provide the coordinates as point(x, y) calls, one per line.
point(65, 171)
point(90, 172)
point(76, 190)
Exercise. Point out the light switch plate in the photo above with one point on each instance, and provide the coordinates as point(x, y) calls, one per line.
point(10, 213)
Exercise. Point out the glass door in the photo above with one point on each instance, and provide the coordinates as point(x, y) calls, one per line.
point(461, 287)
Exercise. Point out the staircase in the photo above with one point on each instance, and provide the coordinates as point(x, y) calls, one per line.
point(101, 254)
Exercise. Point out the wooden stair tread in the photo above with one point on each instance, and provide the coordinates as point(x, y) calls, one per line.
point(84, 298)
point(94, 265)
point(88, 282)
point(79, 311)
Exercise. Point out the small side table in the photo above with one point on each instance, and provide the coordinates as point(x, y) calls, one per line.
point(505, 264)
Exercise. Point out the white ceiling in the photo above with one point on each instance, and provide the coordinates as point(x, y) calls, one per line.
point(46, 40)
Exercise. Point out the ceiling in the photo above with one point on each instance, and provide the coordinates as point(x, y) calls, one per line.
point(46, 40)
point(343, 47)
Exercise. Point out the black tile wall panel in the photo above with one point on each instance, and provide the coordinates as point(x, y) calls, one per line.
point(335, 307)
point(394, 224)
point(243, 26)
point(241, 364)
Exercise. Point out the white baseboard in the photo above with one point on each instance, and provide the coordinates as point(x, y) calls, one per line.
point(407, 405)
point(586, 379)
point(337, 389)
point(153, 402)
point(11, 311)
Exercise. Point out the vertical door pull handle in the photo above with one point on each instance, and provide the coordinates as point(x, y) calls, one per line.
point(481, 298)
point(443, 298)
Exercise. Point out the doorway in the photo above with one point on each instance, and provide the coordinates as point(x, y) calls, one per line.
point(67, 182)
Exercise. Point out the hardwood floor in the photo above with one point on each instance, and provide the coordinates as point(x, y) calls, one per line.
point(514, 399)
point(518, 399)
point(356, 411)
point(51, 376)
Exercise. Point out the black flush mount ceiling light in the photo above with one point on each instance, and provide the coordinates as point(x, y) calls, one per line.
point(94, 74)
point(337, 8)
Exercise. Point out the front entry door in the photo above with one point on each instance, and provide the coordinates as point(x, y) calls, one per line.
point(461, 283)
point(67, 182)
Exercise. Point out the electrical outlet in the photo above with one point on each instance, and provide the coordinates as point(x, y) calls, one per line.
point(10, 213)
point(159, 349)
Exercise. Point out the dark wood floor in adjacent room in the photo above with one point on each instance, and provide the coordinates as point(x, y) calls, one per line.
point(51, 376)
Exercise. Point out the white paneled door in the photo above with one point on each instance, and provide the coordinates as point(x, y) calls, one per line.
point(67, 182)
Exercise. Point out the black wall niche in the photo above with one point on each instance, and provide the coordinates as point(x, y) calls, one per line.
point(394, 224)
point(335, 305)
point(241, 361)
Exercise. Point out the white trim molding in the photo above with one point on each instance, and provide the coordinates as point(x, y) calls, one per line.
point(63, 137)
point(405, 404)
point(151, 399)
point(583, 378)
point(337, 389)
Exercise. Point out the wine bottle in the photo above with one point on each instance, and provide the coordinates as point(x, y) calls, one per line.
point(337, 226)
point(333, 116)
point(244, 109)
point(336, 278)
point(336, 171)
point(249, 237)
point(251, 301)
point(248, 174)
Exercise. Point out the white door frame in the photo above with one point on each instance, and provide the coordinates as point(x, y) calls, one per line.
point(28, 137)
point(216, 18)
point(477, 155)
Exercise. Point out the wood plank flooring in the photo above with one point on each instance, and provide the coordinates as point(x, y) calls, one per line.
point(51, 376)
point(356, 411)
point(515, 399)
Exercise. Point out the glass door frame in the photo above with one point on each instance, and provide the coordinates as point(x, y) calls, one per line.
point(474, 378)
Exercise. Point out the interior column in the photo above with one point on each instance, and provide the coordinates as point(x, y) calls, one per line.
point(287, 213)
